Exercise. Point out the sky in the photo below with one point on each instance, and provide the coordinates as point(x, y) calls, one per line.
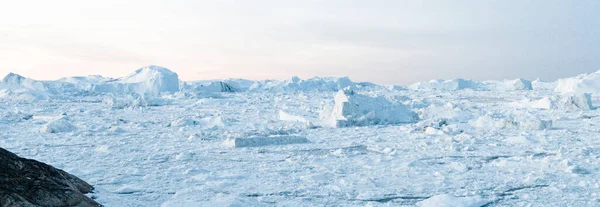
point(381, 41)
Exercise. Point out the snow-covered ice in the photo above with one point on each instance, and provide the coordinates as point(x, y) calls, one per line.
point(151, 140)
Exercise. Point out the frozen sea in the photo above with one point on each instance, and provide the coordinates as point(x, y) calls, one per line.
point(468, 148)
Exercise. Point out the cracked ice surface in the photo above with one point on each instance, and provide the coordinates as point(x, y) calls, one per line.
point(135, 156)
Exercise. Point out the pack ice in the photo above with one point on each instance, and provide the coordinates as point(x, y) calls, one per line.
point(464, 84)
point(150, 139)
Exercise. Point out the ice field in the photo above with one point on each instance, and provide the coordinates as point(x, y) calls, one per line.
point(149, 139)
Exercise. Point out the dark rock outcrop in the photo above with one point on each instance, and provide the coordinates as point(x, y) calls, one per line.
point(26, 182)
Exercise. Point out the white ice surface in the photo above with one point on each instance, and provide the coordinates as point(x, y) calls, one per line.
point(172, 154)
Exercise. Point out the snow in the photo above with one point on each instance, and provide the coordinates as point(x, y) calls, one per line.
point(445, 200)
point(274, 146)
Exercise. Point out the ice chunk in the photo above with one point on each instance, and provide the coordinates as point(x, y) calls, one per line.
point(185, 121)
point(206, 122)
point(584, 83)
point(518, 84)
point(58, 126)
point(522, 122)
point(575, 101)
point(211, 122)
point(565, 101)
point(544, 103)
point(264, 141)
point(446, 200)
point(433, 131)
point(513, 85)
point(128, 189)
point(353, 109)
point(284, 116)
point(532, 123)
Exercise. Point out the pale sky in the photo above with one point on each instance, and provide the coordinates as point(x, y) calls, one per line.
point(381, 41)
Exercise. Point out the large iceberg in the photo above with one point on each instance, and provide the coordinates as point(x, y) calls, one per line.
point(147, 80)
point(17, 82)
point(17, 87)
